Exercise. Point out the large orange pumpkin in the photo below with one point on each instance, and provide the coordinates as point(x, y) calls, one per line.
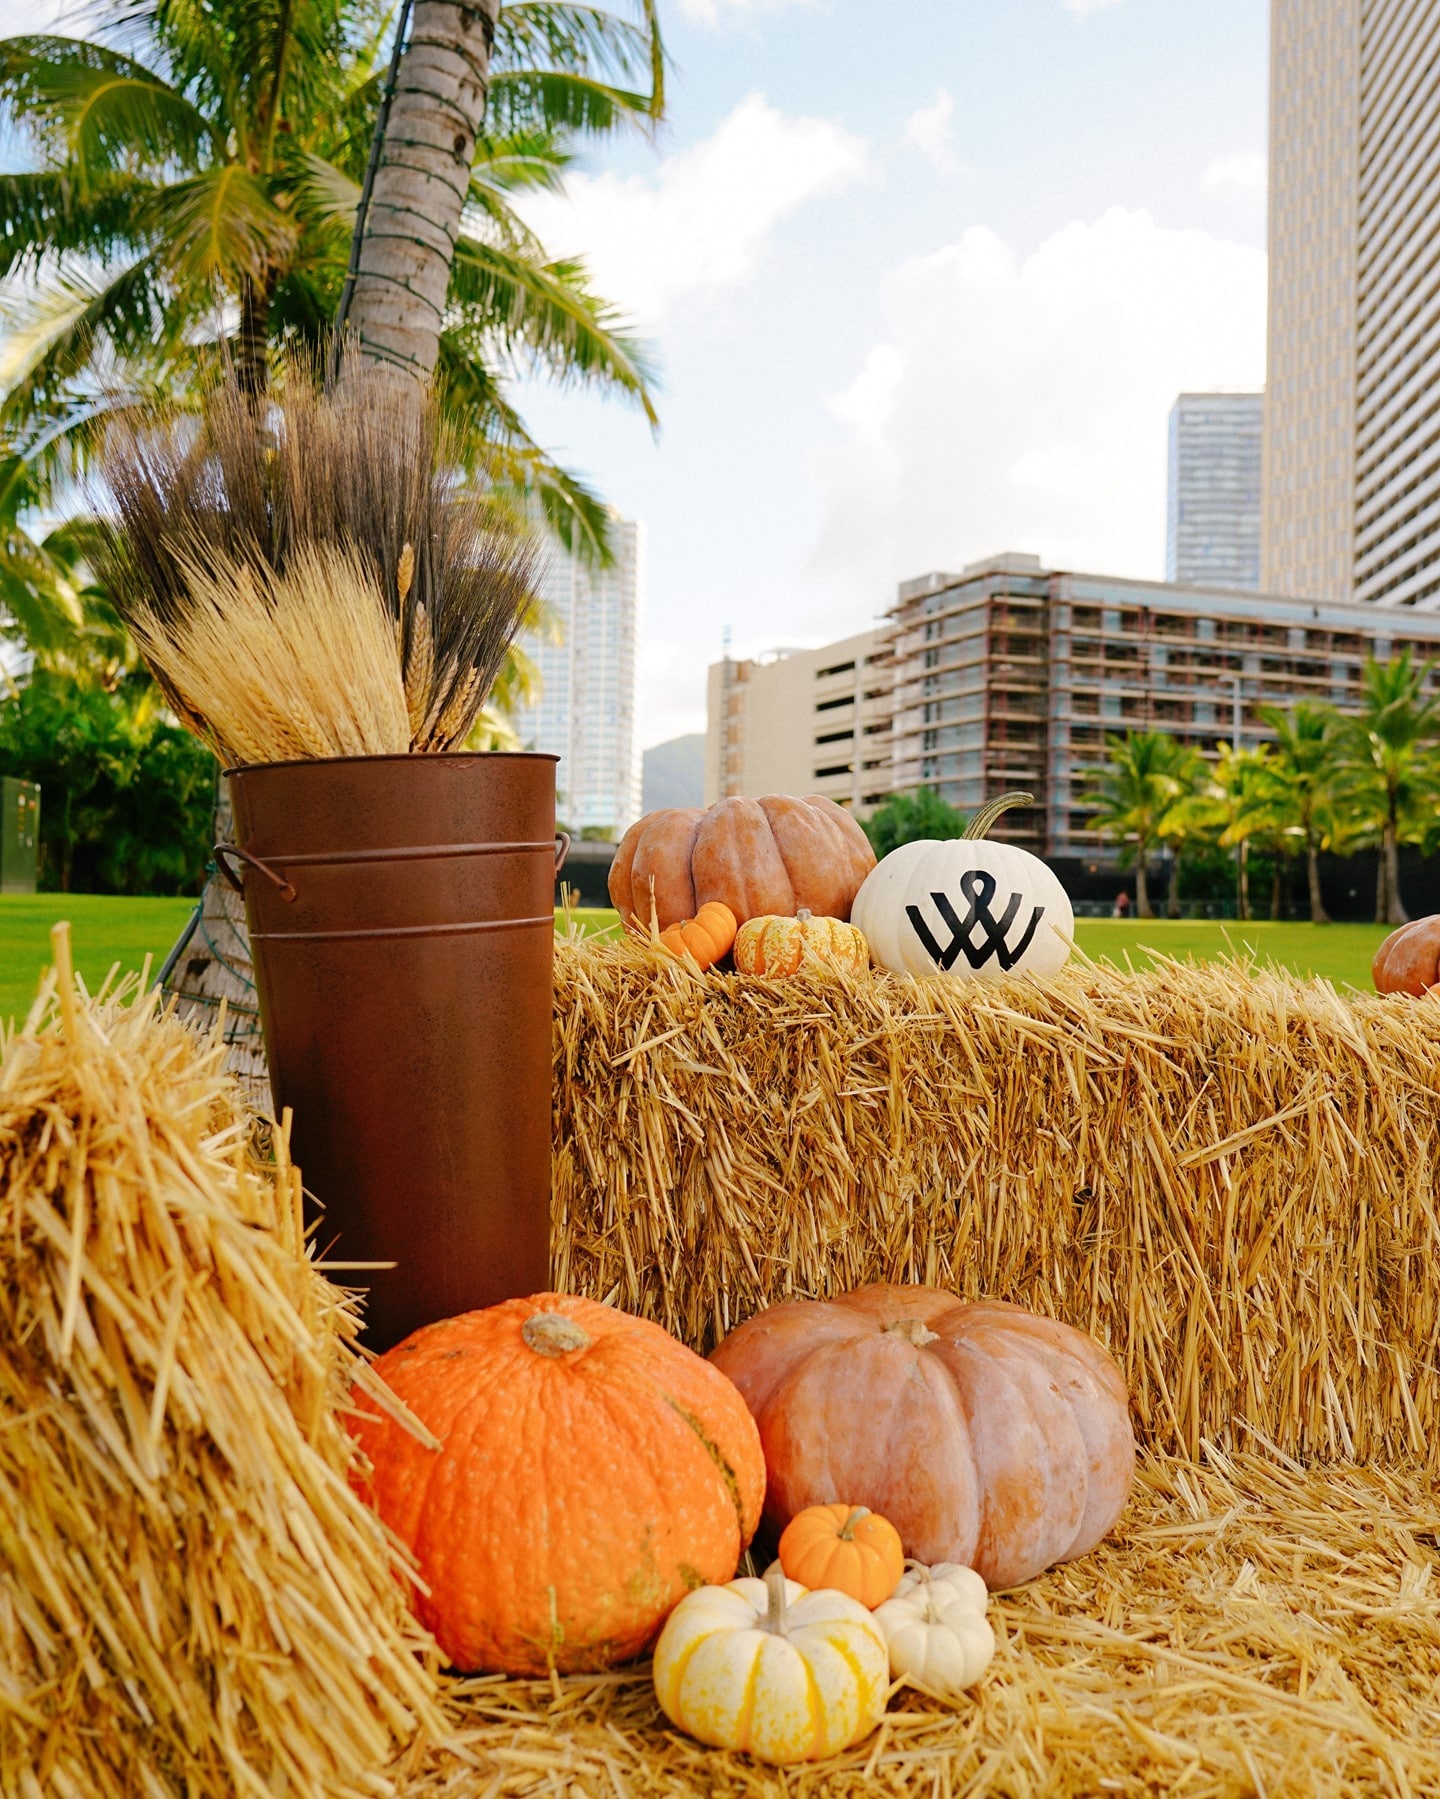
point(986, 1435)
point(591, 1471)
point(1408, 961)
point(770, 855)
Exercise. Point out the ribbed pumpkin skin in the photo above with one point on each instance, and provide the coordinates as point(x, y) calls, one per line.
point(621, 1475)
point(782, 946)
point(1003, 1442)
point(706, 937)
point(1408, 961)
point(846, 1547)
point(775, 855)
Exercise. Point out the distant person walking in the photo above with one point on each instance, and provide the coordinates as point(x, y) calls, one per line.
point(1122, 904)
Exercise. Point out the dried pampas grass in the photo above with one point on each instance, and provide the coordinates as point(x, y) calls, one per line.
point(1230, 1177)
point(192, 1598)
point(348, 503)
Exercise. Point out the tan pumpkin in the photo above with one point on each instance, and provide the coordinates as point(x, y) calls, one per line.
point(985, 1434)
point(705, 938)
point(782, 946)
point(771, 855)
point(1408, 961)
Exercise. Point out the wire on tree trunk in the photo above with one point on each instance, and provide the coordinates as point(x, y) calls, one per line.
point(362, 211)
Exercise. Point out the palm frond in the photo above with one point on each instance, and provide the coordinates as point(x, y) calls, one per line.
point(586, 40)
point(219, 227)
point(44, 213)
point(559, 100)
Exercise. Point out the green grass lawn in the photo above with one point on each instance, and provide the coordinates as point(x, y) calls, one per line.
point(106, 930)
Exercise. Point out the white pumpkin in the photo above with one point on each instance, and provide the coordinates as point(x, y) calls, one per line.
point(936, 1630)
point(968, 908)
point(767, 1667)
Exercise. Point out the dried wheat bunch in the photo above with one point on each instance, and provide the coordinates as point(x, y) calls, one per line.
point(230, 528)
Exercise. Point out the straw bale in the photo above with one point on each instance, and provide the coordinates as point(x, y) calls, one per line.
point(192, 1598)
point(1225, 1174)
point(1249, 1628)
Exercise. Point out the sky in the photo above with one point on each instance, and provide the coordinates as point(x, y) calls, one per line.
point(922, 279)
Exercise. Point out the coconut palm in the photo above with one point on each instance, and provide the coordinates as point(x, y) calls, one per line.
point(1389, 768)
point(1300, 780)
point(1135, 799)
point(1239, 802)
point(194, 175)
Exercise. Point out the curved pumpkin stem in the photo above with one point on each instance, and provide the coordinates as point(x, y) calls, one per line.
point(847, 1529)
point(987, 814)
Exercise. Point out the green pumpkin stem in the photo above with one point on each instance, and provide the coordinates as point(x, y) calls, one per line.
point(988, 813)
point(847, 1529)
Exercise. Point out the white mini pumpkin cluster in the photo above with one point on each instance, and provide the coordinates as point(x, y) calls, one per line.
point(793, 1675)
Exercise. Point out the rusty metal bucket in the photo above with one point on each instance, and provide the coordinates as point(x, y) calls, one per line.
point(401, 919)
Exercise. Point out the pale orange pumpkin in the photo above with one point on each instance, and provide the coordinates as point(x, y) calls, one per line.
point(705, 938)
point(985, 1434)
point(590, 1472)
point(782, 946)
point(847, 1547)
point(771, 855)
point(1408, 961)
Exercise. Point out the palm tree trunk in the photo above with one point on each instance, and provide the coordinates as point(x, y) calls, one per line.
point(1318, 914)
point(1243, 893)
point(1142, 890)
point(1395, 912)
point(1172, 900)
point(397, 309)
point(1382, 892)
point(1277, 890)
point(252, 340)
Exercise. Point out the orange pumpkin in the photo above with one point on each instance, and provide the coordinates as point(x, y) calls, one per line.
point(985, 1435)
point(781, 946)
point(705, 938)
point(847, 1547)
point(1408, 961)
point(770, 855)
point(590, 1471)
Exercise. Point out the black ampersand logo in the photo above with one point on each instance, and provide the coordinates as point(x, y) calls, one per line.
point(977, 888)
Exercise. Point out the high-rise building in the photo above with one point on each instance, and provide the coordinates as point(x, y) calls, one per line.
point(803, 721)
point(1212, 536)
point(1010, 675)
point(585, 713)
point(1352, 430)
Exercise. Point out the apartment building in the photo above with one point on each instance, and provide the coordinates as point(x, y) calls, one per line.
point(1011, 675)
point(803, 721)
point(1351, 486)
point(585, 711)
point(1212, 535)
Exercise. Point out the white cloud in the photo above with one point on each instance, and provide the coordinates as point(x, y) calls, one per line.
point(704, 218)
point(929, 131)
point(1082, 9)
point(1242, 171)
point(1021, 402)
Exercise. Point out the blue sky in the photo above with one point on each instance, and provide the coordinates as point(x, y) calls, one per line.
point(923, 278)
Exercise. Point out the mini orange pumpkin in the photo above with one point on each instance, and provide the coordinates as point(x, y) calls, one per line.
point(590, 1472)
point(847, 1547)
point(1408, 961)
point(705, 938)
point(781, 946)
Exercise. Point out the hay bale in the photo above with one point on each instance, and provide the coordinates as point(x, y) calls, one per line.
point(192, 1599)
point(1247, 1629)
point(1228, 1176)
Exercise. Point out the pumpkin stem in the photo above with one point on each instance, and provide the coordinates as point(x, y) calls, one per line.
point(987, 814)
point(847, 1529)
point(775, 1596)
point(804, 915)
point(553, 1334)
point(913, 1331)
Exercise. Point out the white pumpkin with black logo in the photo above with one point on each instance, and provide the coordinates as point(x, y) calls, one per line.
point(968, 908)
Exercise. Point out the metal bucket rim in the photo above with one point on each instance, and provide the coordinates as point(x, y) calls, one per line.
point(409, 756)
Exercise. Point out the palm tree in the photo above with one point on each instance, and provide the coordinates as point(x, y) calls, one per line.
point(1239, 801)
point(194, 178)
point(1299, 778)
point(1387, 767)
point(1135, 797)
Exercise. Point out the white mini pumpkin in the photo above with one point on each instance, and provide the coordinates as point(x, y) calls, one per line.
point(768, 1667)
point(936, 1630)
point(967, 908)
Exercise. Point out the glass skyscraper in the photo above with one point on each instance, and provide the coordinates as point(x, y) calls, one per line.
point(1212, 536)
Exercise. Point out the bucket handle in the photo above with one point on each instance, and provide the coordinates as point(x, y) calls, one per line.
point(562, 840)
point(221, 851)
